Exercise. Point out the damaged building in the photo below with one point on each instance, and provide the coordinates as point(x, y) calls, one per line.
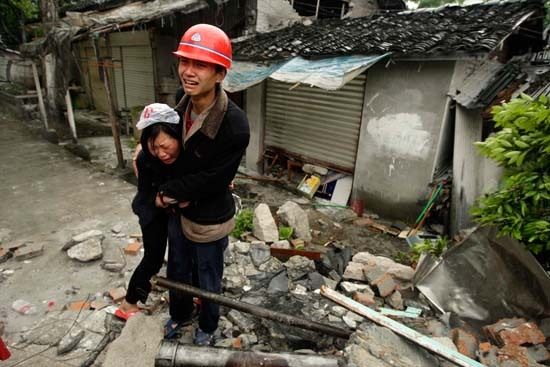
point(395, 100)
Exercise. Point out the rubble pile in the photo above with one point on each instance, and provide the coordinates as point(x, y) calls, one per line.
point(287, 276)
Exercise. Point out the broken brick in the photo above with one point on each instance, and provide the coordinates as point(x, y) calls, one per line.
point(117, 294)
point(385, 285)
point(29, 251)
point(78, 305)
point(133, 248)
point(465, 342)
point(98, 305)
point(513, 354)
point(364, 298)
point(5, 254)
point(526, 333)
point(485, 347)
point(492, 331)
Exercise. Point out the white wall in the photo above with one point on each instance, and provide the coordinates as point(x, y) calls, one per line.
point(275, 14)
point(402, 118)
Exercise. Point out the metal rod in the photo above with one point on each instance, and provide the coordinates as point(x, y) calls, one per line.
point(251, 309)
point(174, 354)
point(400, 329)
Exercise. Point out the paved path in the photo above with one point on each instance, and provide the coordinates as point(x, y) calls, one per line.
point(47, 195)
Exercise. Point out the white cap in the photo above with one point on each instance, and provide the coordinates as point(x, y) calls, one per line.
point(155, 113)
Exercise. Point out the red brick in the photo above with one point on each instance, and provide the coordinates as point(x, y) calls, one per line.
point(117, 294)
point(133, 248)
point(465, 342)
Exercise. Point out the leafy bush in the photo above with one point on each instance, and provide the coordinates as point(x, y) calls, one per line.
point(521, 207)
point(285, 233)
point(243, 223)
point(436, 248)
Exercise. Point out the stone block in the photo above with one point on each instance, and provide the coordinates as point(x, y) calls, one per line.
point(395, 301)
point(29, 251)
point(385, 285)
point(354, 271)
point(117, 294)
point(294, 216)
point(265, 228)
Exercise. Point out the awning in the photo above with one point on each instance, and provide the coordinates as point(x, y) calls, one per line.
point(329, 74)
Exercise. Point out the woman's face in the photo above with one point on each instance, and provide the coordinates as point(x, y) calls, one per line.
point(165, 148)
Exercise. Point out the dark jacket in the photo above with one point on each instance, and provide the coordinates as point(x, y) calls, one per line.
point(210, 159)
point(152, 174)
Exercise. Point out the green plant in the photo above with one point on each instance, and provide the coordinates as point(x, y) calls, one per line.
point(243, 223)
point(520, 208)
point(285, 233)
point(435, 248)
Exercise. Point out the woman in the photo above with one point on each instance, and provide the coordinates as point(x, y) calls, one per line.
point(157, 163)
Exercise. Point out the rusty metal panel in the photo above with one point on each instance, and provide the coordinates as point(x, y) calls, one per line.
point(315, 123)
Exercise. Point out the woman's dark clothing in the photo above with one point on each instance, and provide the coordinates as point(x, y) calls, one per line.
point(153, 222)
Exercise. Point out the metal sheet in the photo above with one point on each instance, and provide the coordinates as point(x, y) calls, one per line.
point(307, 120)
point(138, 75)
point(486, 278)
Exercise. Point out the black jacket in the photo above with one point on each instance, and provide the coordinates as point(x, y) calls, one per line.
point(151, 174)
point(210, 159)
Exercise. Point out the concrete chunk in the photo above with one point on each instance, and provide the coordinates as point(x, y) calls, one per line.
point(265, 228)
point(294, 216)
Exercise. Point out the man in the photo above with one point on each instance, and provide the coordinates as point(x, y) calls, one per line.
point(215, 137)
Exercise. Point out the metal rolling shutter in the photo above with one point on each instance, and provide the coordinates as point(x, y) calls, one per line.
point(138, 75)
point(133, 73)
point(315, 123)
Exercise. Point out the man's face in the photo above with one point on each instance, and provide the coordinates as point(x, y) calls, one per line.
point(198, 78)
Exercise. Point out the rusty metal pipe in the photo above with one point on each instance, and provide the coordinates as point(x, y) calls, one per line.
point(251, 309)
point(174, 354)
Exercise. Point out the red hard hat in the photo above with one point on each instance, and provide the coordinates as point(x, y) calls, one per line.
point(208, 43)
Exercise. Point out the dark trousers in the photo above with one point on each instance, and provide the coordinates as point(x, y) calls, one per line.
point(154, 246)
point(206, 261)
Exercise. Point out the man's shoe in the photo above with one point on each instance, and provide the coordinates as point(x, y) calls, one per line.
point(202, 338)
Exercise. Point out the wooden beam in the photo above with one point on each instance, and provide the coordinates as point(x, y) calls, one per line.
point(40, 97)
point(70, 114)
point(400, 329)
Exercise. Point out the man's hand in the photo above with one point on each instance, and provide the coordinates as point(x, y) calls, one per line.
point(159, 202)
point(134, 159)
point(184, 204)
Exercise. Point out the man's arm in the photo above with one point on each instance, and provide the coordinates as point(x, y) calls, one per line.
point(213, 179)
